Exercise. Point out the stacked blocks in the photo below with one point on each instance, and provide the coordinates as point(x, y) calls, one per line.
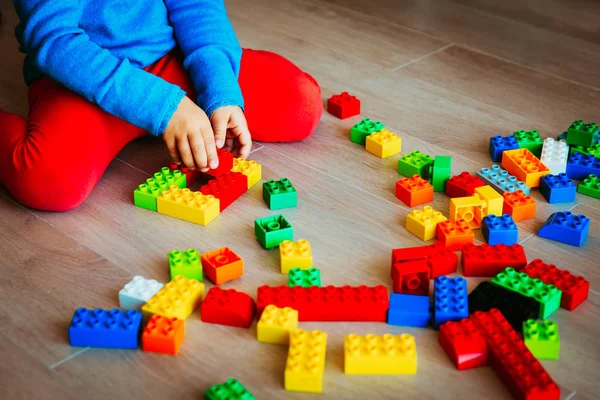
point(469, 209)
point(440, 172)
point(499, 144)
point(305, 364)
point(542, 339)
point(271, 231)
point(163, 335)
point(279, 194)
point(450, 301)
point(580, 166)
point(455, 234)
point(343, 105)
point(462, 185)
point(519, 205)
point(360, 131)
point(501, 180)
point(590, 186)
point(491, 200)
point(177, 299)
point(251, 169)
point(409, 310)
point(146, 194)
point(225, 163)
point(500, 230)
point(380, 355)
point(383, 143)
point(581, 134)
point(189, 206)
point(411, 277)
point(414, 191)
point(557, 188)
point(137, 292)
point(566, 228)
point(276, 324)
point(488, 260)
point(222, 265)
point(186, 263)
point(440, 259)
point(191, 175)
point(102, 328)
point(423, 223)
point(295, 255)
point(464, 344)
point(415, 163)
point(230, 390)
point(227, 307)
point(554, 155)
point(227, 187)
point(529, 140)
point(593, 149)
point(305, 278)
point(525, 166)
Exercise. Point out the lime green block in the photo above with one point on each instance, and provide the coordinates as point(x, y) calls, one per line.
point(530, 140)
point(440, 173)
point(273, 230)
point(305, 278)
point(415, 163)
point(360, 131)
point(146, 194)
point(185, 263)
point(542, 339)
point(590, 186)
point(580, 134)
point(230, 390)
point(593, 150)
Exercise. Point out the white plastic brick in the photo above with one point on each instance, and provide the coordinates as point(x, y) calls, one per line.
point(554, 155)
point(137, 292)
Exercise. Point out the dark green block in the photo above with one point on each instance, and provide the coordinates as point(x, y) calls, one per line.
point(279, 194)
point(590, 186)
point(230, 390)
point(146, 194)
point(360, 131)
point(304, 277)
point(530, 140)
point(273, 230)
point(415, 163)
point(580, 134)
point(440, 173)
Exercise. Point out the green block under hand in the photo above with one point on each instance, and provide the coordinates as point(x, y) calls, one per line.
point(185, 263)
point(273, 230)
point(590, 186)
point(580, 134)
point(230, 390)
point(360, 131)
point(530, 140)
point(415, 163)
point(304, 277)
point(440, 173)
point(279, 194)
point(542, 339)
point(146, 194)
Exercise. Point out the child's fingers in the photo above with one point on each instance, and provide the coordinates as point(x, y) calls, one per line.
point(229, 144)
point(244, 139)
point(172, 148)
point(210, 149)
point(219, 126)
point(199, 151)
point(185, 153)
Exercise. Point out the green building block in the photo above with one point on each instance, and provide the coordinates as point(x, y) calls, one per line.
point(590, 186)
point(542, 339)
point(530, 140)
point(580, 134)
point(547, 295)
point(415, 163)
point(279, 194)
point(593, 150)
point(273, 230)
point(146, 194)
point(360, 131)
point(230, 390)
point(440, 172)
point(185, 263)
point(304, 277)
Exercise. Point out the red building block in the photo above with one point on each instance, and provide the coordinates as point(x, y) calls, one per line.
point(328, 303)
point(574, 288)
point(414, 191)
point(163, 335)
point(519, 205)
point(227, 307)
point(463, 185)
point(441, 260)
point(454, 234)
point(225, 163)
point(411, 277)
point(343, 105)
point(222, 265)
point(464, 344)
point(191, 175)
point(227, 188)
point(488, 260)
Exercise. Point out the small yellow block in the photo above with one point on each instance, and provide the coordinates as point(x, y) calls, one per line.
point(380, 355)
point(306, 361)
point(492, 200)
point(177, 299)
point(187, 205)
point(423, 223)
point(468, 208)
point(295, 255)
point(383, 143)
point(251, 169)
point(276, 324)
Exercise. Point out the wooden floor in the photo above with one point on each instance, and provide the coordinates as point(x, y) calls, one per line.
point(445, 75)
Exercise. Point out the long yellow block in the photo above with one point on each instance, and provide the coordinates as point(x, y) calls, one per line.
point(275, 324)
point(423, 223)
point(492, 200)
point(468, 208)
point(178, 299)
point(380, 355)
point(251, 169)
point(187, 205)
point(383, 143)
point(295, 255)
point(306, 361)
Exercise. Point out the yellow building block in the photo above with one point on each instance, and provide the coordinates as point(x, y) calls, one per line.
point(295, 255)
point(306, 361)
point(380, 355)
point(523, 164)
point(492, 200)
point(276, 324)
point(468, 208)
point(423, 223)
point(383, 143)
point(251, 169)
point(187, 205)
point(177, 299)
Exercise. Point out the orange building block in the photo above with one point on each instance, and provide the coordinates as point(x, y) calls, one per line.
point(519, 205)
point(453, 234)
point(222, 265)
point(414, 191)
point(525, 166)
point(163, 335)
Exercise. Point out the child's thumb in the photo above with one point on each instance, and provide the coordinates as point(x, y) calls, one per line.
point(220, 130)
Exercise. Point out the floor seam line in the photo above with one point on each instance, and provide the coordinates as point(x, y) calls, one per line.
point(416, 60)
point(67, 359)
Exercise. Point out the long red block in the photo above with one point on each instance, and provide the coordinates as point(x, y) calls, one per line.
point(227, 188)
point(464, 344)
point(328, 303)
point(441, 260)
point(225, 163)
point(227, 307)
point(463, 185)
point(488, 260)
point(411, 277)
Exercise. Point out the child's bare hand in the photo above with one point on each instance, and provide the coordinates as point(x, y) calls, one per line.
point(190, 138)
point(231, 130)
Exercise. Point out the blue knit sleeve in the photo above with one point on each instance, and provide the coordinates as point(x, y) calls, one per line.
point(61, 50)
point(211, 50)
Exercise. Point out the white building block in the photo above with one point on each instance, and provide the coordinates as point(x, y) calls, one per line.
point(137, 292)
point(554, 155)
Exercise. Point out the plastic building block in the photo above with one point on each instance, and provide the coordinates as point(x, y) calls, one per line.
point(163, 335)
point(227, 187)
point(593, 150)
point(529, 140)
point(380, 355)
point(492, 201)
point(185, 263)
point(189, 206)
point(414, 191)
point(383, 143)
point(415, 163)
point(276, 324)
point(177, 299)
point(562, 136)
point(225, 163)
point(500, 230)
point(137, 292)
point(464, 344)
point(455, 234)
point(558, 188)
point(488, 260)
point(440, 259)
point(411, 277)
point(328, 303)
point(343, 105)
point(251, 169)
point(469, 209)
point(409, 310)
point(440, 172)
point(146, 194)
point(360, 131)
point(450, 300)
point(279, 194)
point(227, 307)
point(295, 255)
point(501, 180)
point(579, 166)
point(305, 278)
point(574, 288)
point(102, 328)
point(462, 185)
point(566, 228)
point(232, 389)
point(222, 265)
point(191, 175)
point(305, 364)
point(547, 295)
point(542, 339)
point(524, 166)
point(271, 231)
point(519, 205)
point(423, 223)
point(554, 155)
point(590, 186)
point(580, 134)
point(498, 144)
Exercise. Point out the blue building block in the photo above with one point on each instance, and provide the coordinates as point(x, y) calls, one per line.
point(450, 300)
point(498, 144)
point(409, 310)
point(562, 136)
point(500, 230)
point(566, 228)
point(501, 180)
point(579, 166)
point(558, 188)
point(102, 328)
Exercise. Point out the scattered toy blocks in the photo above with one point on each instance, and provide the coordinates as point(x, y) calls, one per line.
point(500, 230)
point(491, 200)
point(557, 188)
point(501, 180)
point(146, 194)
point(414, 191)
point(525, 166)
point(305, 364)
point(222, 265)
point(360, 131)
point(227, 187)
point(440, 172)
point(185, 263)
point(462, 185)
point(590, 186)
point(251, 169)
point(227, 307)
point(271, 231)
point(411, 277)
point(225, 164)
point(409, 310)
point(191, 175)
point(554, 155)
point(295, 255)
point(177, 299)
point(415, 163)
point(380, 355)
point(488, 260)
point(440, 259)
point(529, 140)
point(187, 205)
point(343, 105)
point(499, 144)
point(103, 328)
point(232, 389)
point(469, 209)
point(464, 344)
point(449, 300)
point(383, 143)
point(163, 335)
point(566, 228)
point(137, 292)
point(579, 166)
point(542, 339)
point(279, 194)
point(423, 223)
point(455, 234)
point(276, 324)
point(519, 205)
point(581, 134)
point(305, 278)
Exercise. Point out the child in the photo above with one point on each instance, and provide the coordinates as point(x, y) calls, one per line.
point(102, 73)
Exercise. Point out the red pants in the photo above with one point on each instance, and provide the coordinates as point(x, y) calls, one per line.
point(53, 160)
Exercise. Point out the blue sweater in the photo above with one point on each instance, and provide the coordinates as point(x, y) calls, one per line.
point(98, 48)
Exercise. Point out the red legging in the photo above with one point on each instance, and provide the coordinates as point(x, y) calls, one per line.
point(53, 160)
